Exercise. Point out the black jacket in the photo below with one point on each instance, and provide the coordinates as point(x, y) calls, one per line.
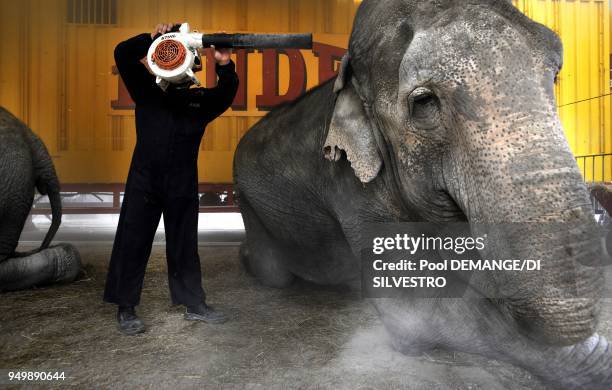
point(169, 125)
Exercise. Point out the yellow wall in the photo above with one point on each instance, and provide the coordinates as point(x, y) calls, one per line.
point(584, 28)
point(57, 76)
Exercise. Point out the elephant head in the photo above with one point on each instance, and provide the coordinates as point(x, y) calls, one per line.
point(454, 101)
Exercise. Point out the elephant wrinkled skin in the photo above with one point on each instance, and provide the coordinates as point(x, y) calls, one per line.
point(443, 111)
point(25, 164)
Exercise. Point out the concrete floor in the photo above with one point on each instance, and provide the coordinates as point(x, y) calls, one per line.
point(306, 337)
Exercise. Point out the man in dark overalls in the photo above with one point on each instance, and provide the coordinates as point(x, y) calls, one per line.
point(163, 179)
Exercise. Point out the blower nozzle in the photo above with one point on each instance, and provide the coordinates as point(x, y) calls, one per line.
point(259, 41)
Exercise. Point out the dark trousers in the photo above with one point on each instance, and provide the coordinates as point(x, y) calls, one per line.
point(140, 215)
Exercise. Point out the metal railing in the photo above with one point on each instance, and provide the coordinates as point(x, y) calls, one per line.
point(596, 180)
point(594, 162)
point(107, 198)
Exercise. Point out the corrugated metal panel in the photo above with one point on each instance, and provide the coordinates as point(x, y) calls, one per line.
point(583, 86)
point(57, 76)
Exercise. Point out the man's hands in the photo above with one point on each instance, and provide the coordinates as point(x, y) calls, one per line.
point(222, 56)
point(163, 28)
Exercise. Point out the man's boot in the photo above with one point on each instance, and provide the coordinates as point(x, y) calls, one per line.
point(205, 313)
point(128, 321)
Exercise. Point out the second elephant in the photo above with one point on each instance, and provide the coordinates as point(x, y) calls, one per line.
point(25, 165)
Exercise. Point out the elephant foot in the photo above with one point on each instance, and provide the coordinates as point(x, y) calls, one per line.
point(57, 264)
point(260, 254)
point(587, 365)
point(265, 263)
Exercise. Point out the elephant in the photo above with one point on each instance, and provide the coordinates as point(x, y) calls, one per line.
point(25, 164)
point(442, 111)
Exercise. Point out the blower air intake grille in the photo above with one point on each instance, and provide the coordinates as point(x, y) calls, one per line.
point(169, 54)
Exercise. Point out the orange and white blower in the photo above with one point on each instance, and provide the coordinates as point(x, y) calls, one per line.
point(174, 57)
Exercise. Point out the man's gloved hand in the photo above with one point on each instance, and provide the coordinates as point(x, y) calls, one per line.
point(222, 56)
point(164, 28)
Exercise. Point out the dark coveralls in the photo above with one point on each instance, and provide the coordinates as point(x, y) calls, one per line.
point(163, 177)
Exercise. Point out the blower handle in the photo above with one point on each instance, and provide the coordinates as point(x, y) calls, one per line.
point(258, 41)
point(175, 28)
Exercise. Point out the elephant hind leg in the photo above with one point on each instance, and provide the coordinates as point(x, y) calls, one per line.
point(57, 264)
point(11, 225)
point(260, 254)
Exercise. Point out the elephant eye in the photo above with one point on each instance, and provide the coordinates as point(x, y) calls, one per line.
point(424, 108)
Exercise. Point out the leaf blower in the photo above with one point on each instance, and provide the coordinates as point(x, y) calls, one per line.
point(174, 56)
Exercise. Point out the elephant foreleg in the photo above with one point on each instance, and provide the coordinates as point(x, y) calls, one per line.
point(476, 326)
point(56, 264)
point(260, 254)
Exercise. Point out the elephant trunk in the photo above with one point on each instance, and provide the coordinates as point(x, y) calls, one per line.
point(559, 303)
point(535, 203)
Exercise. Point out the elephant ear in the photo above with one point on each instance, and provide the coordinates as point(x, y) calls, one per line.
point(343, 74)
point(350, 130)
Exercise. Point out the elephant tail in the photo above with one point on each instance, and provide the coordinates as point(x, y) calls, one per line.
point(47, 183)
point(56, 215)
